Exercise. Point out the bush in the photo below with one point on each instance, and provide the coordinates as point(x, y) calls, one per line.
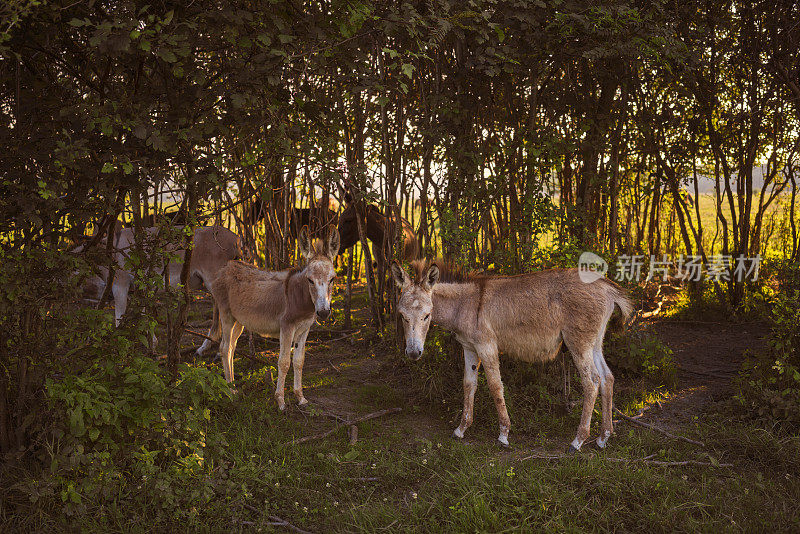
point(118, 426)
point(638, 352)
point(769, 383)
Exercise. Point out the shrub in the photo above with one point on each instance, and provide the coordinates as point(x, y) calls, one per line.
point(638, 352)
point(769, 383)
point(118, 426)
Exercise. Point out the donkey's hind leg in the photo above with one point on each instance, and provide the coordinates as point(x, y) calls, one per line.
point(231, 330)
point(606, 394)
point(584, 361)
point(298, 359)
point(214, 332)
point(471, 364)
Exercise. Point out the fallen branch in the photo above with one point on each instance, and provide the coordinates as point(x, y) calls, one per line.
point(656, 429)
point(645, 460)
point(353, 434)
point(348, 423)
point(274, 521)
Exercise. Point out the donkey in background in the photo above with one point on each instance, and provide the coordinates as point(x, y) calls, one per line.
point(280, 304)
point(212, 248)
point(376, 227)
point(527, 317)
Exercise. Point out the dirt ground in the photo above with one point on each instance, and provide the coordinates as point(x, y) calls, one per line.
point(340, 363)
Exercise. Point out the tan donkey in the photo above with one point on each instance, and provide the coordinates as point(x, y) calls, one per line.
point(213, 248)
point(280, 304)
point(527, 317)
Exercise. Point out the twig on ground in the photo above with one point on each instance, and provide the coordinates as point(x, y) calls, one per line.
point(274, 521)
point(353, 434)
point(325, 414)
point(646, 460)
point(334, 367)
point(656, 429)
point(353, 422)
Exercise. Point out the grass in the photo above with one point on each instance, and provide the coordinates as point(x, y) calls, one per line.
point(405, 474)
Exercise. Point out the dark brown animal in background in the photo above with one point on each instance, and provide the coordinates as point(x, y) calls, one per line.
point(527, 317)
point(317, 219)
point(375, 228)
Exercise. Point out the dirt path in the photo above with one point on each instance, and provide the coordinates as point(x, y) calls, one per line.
point(708, 355)
point(346, 365)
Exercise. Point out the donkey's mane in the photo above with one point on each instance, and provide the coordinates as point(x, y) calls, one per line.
point(449, 271)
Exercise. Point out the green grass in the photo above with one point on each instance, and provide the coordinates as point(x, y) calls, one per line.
point(406, 475)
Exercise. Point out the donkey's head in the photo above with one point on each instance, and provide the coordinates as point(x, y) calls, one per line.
point(319, 271)
point(415, 306)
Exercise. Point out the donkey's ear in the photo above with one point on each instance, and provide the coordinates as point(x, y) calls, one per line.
point(304, 242)
point(333, 243)
point(400, 276)
point(431, 277)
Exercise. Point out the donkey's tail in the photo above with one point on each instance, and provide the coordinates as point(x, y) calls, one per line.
point(621, 301)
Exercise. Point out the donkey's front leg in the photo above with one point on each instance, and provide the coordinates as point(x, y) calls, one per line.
point(120, 288)
point(471, 365)
point(298, 358)
point(284, 360)
point(492, 370)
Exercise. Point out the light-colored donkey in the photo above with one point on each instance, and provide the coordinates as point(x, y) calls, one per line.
point(526, 317)
point(213, 248)
point(280, 304)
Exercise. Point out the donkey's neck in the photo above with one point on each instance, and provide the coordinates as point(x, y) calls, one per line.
point(298, 300)
point(449, 302)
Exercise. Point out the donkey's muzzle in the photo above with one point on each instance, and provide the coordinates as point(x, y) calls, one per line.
point(324, 314)
point(414, 354)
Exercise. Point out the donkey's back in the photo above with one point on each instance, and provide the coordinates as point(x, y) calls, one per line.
point(254, 297)
point(530, 315)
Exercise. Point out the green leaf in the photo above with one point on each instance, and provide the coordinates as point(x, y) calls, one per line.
point(408, 69)
point(167, 55)
point(77, 23)
point(108, 167)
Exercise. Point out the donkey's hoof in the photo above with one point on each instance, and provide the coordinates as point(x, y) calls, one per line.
point(572, 449)
point(458, 434)
point(503, 444)
point(302, 402)
point(281, 407)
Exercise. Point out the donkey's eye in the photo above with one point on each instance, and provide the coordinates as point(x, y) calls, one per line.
point(310, 281)
point(331, 280)
point(427, 317)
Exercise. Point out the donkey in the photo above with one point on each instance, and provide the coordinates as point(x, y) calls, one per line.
point(212, 248)
point(375, 228)
point(525, 316)
point(280, 304)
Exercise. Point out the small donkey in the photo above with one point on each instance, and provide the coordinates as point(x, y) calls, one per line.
point(279, 304)
point(525, 316)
